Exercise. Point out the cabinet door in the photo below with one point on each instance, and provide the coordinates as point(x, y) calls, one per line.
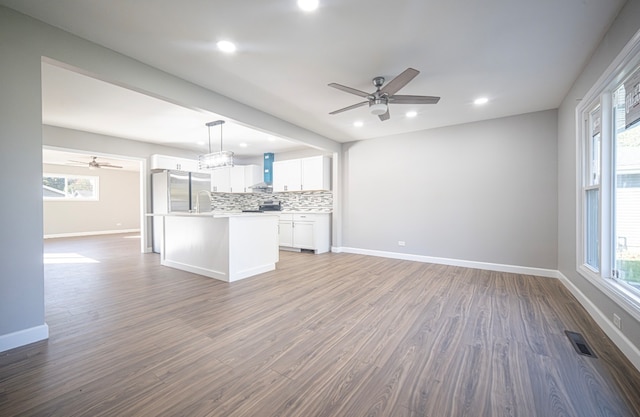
point(253, 175)
point(285, 233)
point(236, 181)
point(303, 235)
point(287, 175)
point(190, 165)
point(173, 163)
point(316, 173)
point(220, 180)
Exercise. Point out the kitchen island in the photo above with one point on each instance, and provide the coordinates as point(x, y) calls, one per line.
point(224, 246)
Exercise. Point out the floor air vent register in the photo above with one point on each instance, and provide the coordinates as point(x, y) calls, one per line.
point(579, 344)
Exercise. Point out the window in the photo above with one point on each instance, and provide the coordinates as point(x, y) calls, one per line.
point(608, 238)
point(69, 187)
point(592, 191)
point(626, 190)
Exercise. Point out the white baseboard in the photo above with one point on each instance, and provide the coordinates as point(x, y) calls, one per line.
point(23, 337)
point(541, 272)
point(100, 232)
point(619, 339)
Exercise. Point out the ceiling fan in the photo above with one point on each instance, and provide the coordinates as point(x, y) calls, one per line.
point(93, 164)
point(380, 99)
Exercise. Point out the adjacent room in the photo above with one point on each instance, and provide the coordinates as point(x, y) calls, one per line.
point(311, 208)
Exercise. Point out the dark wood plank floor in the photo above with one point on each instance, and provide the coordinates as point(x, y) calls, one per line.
point(323, 335)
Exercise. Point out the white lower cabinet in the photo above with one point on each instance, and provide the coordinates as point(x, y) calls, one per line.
point(310, 231)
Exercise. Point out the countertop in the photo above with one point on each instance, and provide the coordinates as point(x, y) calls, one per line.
point(215, 214)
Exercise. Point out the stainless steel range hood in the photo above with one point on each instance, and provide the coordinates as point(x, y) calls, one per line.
point(262, 187)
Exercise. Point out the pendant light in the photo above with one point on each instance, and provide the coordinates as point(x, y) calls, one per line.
point(214, 160)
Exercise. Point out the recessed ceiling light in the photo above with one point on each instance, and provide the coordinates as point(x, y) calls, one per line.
point(481, 100)
point(308, 5)
point(200, 142)
point(359, 123)
point(272, 139)
point(226, 46)
point(243, 145)
point(412, 113)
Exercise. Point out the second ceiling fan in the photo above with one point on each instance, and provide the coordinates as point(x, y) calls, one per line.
point(385, 94)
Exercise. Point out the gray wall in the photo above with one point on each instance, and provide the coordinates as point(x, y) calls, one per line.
point(117, 209)
point(622, 30)
point(483, 192)
point(21, 268)
point(24, 43)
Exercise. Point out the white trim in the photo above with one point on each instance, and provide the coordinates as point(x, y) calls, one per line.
point(100, 232)
point(24, 337)
point(619, 339)
point(515, 269)
point(616, 292)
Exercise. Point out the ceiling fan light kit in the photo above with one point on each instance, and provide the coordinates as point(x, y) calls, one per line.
point(378, 107)
point(215, 160)
point(380, 99)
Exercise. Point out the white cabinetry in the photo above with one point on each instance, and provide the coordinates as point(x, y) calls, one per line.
point(236, 179)
point(305, 231)
point(304, 174)
point(221, 180)
point(173, 163)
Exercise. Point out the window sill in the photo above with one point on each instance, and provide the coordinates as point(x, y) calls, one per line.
point(627, 300)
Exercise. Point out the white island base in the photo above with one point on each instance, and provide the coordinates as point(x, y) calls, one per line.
point(228, 247)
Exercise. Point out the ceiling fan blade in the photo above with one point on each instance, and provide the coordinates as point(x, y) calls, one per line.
point(349, 90)
point(403, 99)
point(350, 107)
point(385, 116)
point(108, 165)
point(400, 81)
point(78, 162)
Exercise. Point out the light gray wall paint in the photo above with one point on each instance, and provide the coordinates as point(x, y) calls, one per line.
point(25, 42)
point(21, 268)
point(58, 137)
point(624, 27)
point(482, 191)
point(118, 206)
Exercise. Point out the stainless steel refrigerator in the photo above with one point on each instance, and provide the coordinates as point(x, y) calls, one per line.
point(176, 191)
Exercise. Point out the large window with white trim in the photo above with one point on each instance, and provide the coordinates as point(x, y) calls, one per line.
point(65, 187)
point(609, 181)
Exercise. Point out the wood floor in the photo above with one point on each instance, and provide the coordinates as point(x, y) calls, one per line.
point(323, 335)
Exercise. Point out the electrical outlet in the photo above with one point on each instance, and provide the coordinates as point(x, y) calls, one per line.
point(401, 243)
point(617, 321)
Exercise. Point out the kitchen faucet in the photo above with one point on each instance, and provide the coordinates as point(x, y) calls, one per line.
point(198, 200)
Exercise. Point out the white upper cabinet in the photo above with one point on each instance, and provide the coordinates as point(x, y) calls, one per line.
point(236, 179)
point(173, 163)
point(313, 173)
point(287, 175)
point(221, 180)
point(316, 173)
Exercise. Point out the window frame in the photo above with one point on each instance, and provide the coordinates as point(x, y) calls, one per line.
point(94, 178)
point(600, 94)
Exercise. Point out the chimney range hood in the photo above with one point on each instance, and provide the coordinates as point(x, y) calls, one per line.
point(267, 170)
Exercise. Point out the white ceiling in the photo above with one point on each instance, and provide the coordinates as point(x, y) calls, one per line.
point(521, 54)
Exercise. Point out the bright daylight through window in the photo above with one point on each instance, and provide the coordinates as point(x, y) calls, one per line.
point(69, 187)
point(610, 183)
point(626, 190)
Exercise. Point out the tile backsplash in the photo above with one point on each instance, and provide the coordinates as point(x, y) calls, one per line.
point(320, 201)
